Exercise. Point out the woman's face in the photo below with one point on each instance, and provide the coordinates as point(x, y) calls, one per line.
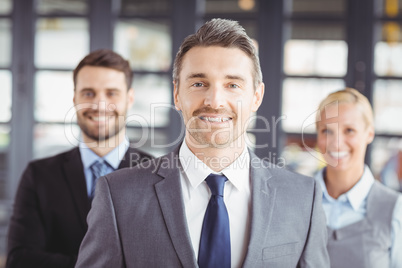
point(343, 136)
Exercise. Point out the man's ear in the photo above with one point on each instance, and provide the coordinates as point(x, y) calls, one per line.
point(130, 98)
point(175, 96)
point(258, 96)
point(74, 97)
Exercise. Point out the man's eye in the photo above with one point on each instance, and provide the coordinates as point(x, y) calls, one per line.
point(233, 86)
point(198, 84)
point(88, 94)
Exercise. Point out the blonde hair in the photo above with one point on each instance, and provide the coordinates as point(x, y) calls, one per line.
point(349, 96)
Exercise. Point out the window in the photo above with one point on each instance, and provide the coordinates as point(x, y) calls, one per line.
point(315, 64)
point(5, 115)
point(143, 35)
point(60, 43)
point(387, 95)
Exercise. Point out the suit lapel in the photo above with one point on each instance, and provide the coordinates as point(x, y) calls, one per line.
point(75, 178)
point(263, 200)
point(169, 194)
point(125, 162)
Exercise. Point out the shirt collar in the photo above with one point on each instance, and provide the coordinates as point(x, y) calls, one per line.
point(197, 171)
point(357, 194)
point(320, 178)
point(113, 158)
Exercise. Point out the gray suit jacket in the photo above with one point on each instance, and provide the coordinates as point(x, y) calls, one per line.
point(138, 220)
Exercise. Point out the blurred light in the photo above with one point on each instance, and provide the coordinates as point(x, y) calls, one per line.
point(391, 32)
point(132, 32)
point(51, 24)
point(391, 8)
point(246, 4)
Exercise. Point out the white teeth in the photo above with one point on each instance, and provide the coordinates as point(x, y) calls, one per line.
point(215, 119)
point(338, 154)
point(99, 118)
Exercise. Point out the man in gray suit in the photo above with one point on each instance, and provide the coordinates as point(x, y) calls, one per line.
point(211, 202)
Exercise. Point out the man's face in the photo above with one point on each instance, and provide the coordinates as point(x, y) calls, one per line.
point(216, 95)
point(101, 100)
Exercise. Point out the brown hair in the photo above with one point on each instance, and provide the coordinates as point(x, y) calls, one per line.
point(223, 33)
point(108, 59)
point(348, 95)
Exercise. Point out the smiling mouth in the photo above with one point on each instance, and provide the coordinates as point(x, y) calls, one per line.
point(215, 119)
point(103, 118)
point(338, 155)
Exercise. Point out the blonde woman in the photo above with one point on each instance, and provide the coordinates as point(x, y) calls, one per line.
point(364, 218)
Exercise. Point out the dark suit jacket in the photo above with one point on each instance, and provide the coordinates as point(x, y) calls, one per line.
point(50, 210)
point(138, 219)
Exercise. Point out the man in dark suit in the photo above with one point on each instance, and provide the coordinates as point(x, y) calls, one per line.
point(212, 202)
point(55, 194)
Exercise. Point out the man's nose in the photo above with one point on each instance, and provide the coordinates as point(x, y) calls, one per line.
point(215, 97)
point(101, 102)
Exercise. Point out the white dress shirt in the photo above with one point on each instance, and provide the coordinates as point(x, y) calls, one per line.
point(351, 207)
point(237, 197)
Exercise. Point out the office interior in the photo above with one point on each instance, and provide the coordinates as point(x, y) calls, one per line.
point(307, 49)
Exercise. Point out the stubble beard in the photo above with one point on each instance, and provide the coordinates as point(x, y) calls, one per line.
point(101, 134)
point(215, 137)
point(221, 137)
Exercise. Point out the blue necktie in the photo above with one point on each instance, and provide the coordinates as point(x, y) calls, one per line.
point(215, 235)
point(98, 169)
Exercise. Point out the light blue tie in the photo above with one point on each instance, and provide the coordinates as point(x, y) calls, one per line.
point(98, 169)
point(215, 235)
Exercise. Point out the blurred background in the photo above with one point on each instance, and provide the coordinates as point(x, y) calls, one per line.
point(307, 48)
